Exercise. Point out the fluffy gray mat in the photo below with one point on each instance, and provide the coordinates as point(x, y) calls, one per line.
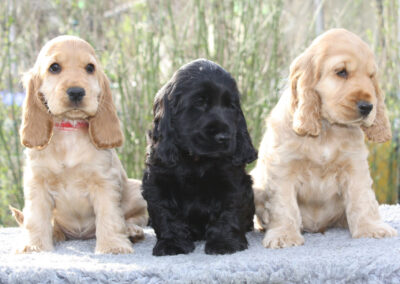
point(333, 257)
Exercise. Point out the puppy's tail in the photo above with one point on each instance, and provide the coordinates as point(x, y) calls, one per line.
point(18, 215)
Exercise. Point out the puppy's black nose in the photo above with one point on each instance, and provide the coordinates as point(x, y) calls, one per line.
point(221, 138)
point(364, 108)
point(76, 94)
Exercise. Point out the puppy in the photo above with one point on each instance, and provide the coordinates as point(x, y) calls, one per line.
point(312, 172)
point(74, 184)
point(195, 182)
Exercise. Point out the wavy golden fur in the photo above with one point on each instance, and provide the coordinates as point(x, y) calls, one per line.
point(74, 183)
point(312, 172)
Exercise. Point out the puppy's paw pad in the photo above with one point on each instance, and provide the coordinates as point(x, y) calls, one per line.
point(377, 231)
point(225, 247)
point(168, 247)
point(282, 240)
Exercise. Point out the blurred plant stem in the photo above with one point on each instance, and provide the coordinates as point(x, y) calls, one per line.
point(142, 43)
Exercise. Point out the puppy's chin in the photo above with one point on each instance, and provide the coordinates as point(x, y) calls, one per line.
point(365, 124)
point(351, 122)
point(74, 114)
point(368, 121)
point(361, 121)
point(213, 152)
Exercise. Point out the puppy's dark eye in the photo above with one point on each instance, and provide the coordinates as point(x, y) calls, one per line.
point(201, 102)
point(227, 100)
point(229, 104)
point(342, 73)
point(90, 68)
point(55, 68)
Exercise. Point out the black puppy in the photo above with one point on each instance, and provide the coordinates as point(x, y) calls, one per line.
point(195, 182)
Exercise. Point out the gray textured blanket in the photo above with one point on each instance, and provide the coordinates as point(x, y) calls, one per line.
point(333, 257)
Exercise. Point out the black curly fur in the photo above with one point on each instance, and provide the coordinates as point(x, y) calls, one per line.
point(195, 181)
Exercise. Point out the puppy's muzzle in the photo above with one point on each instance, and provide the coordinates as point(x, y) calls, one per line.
point(222, 138)
point(364, 107)
point(76, 94)
point(218, 131)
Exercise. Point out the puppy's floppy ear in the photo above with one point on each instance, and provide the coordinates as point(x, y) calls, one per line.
point(306, 103)
point(380, 130)
point(245, 152)
point(37, 123)
point(104, 127)
point(163, 134)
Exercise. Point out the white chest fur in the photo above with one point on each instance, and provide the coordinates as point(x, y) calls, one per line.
point(68, 170)
point(316, 168)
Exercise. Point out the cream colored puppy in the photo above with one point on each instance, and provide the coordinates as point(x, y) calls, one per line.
point(74, 184)
point(312, 172)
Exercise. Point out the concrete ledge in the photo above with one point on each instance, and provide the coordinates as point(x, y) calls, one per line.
point(333, 257)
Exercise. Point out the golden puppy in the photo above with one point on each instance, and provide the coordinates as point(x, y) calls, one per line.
point(312, 172)
point(74, 183)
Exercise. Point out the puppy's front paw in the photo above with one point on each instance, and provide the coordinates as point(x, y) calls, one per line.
point(225, 247)
point(172, 247)
point(280, 238)
point(121, 247)
point(135, 232)
point(375, 230)
point(34, 248)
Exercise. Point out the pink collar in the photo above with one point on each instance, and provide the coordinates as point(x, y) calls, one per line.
point(71, 125)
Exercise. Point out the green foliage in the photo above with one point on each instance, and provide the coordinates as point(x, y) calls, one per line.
point(10, 163)
point(141, 44)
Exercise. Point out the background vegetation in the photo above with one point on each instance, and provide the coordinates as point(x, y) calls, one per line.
point(141, 43)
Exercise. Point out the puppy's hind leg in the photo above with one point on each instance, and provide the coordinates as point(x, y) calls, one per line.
point(58, 234)
point(135, 232)
point(261, 218)
point(135, 209)
point(133, 204)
